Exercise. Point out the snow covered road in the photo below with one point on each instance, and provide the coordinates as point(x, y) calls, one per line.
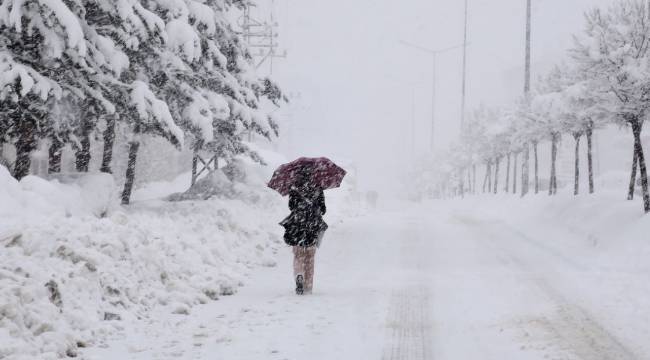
point(444, 283)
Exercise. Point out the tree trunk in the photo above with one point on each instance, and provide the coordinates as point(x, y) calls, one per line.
point(487, 174)
point(25, 144)
point(635, 165)
point(536, 167)
point(525, 170)
point(474, 179)
point(462, 183)
point(496, 175)
point(638, 148)
point(130, 172)
point(590, 161)
point(54, 156)
point(507, 188)
point(576, 174)
point(195, 163)
point(3, 161)
point(489, 188)
point(109, 141)
point(514, 175)
point(83, 153)
point(552, 187)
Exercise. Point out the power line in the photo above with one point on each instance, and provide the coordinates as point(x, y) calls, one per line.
point(261, 37)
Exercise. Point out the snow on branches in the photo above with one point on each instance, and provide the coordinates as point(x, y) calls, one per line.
point(19, 80)
point(171, 68)
point(606, 81)
point(153, 111)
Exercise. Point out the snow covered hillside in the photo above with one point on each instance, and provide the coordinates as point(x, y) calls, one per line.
point(76, 267)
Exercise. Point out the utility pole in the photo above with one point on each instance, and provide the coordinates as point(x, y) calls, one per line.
point(528, 32)
point(432, 140)
point(261, 37)
point(434, 55)
point(464, 87)
point(410, 87)
point(261, 40)
point(526, 161)
point(413, 124)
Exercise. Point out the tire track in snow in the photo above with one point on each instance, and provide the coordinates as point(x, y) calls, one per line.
point(571, 328)
point(409, 325)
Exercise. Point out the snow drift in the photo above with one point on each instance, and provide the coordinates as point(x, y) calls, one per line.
point(75, 266)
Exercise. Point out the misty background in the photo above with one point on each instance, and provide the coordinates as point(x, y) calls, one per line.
point(352, 82)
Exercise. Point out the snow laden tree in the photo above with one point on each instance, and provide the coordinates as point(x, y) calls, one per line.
point(215, 94)
point(56, 45)
point(137, 92)
point(484, 142)
point(584, 115)
point(472, 141)
point(498, 135)
point(458, 165)
point(564, 113)
point(41, 45)
point(483, 147)
point(513, 147)
point(205, 76)
point(163, 68)
point(526, 133)
point(548, 108)
point(505, 136)
point(613, 52)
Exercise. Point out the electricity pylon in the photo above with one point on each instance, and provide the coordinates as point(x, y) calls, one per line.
point(261, 37)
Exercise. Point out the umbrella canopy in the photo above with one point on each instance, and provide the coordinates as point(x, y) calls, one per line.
point(323, 173)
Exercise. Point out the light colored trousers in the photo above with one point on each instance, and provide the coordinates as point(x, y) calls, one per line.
point(303, 264)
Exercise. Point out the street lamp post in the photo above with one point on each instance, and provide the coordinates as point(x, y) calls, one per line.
point(464, 89)
point(413, 123)
point(411, 86)
point(434, 55)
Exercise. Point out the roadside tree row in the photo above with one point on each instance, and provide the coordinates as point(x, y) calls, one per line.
point(606, 80)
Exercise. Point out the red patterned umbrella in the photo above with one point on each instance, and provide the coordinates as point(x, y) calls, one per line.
point(324, 174)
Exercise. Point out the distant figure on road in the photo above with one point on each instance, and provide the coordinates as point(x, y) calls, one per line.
point(305, 228)
point(371, 198)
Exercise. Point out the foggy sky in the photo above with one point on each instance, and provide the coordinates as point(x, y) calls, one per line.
point(352, 80)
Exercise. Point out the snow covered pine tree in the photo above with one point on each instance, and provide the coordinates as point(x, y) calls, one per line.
point(174, 69)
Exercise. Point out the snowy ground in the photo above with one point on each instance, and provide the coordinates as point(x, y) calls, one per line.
point(75, 267)
point(487, 278)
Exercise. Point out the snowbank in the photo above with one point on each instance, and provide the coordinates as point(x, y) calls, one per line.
point(604, 228)
point(71, 195)
point(593, 250)
point(76, 268)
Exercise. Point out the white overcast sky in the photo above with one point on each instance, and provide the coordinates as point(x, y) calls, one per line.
point(356, 79)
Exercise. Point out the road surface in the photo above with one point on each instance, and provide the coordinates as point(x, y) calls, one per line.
point(404, 285)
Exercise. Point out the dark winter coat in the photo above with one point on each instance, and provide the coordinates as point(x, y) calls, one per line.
point(305, 223)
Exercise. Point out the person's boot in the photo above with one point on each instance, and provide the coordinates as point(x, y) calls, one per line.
point(300, 285)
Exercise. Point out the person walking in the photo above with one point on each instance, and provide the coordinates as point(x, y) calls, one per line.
point(305, 228)
point(304, 181)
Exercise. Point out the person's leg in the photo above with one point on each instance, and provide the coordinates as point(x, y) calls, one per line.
point(310, 255)
point(298, 262)
point(299, 268)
